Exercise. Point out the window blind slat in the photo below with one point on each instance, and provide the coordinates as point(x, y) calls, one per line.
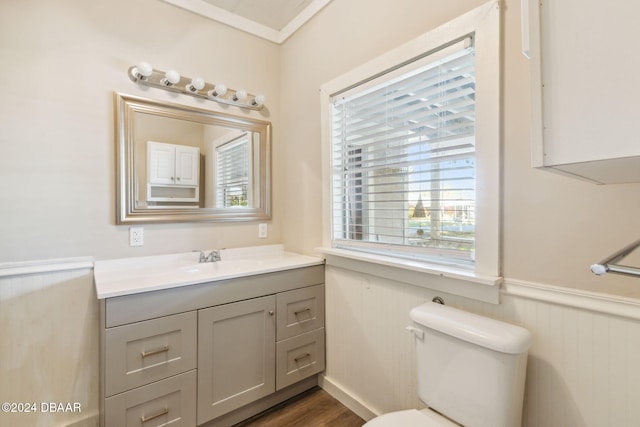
point(232, 173)
point(403, 161)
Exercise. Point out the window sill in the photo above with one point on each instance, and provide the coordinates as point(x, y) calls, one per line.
point(457, 281)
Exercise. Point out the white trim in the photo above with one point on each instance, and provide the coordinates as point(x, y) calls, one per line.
point(302, 18)
point(218, 14)
point(485, 22)
point(574, 298)
point(354, 404)
point(21, 268)
point(442, 278)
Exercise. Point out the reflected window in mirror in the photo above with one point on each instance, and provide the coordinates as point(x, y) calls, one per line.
point(233, 173)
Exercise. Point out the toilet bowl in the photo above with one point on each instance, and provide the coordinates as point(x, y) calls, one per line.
point(471, 370)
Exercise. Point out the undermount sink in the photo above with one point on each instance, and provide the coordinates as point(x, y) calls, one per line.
point(143, 274)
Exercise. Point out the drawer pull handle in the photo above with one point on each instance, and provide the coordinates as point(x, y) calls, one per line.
point(144, 419)
point(304, 356)
point(157, 351)
point(296, 313)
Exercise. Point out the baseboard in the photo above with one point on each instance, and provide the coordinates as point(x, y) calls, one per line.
point(355, 404)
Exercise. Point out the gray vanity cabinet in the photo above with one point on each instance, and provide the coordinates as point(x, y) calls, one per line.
point(211, 354)
point(236, 355)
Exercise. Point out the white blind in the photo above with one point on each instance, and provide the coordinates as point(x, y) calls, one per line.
point(232, 173)
point(403, 160)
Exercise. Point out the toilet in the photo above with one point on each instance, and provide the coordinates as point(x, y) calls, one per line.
point(471, 370)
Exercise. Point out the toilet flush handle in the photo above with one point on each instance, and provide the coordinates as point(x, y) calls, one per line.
point(419, 333)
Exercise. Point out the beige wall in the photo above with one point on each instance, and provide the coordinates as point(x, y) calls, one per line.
point(554, 227)
point(61, 62)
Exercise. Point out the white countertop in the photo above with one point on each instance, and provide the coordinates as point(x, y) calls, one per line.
point(127, 276)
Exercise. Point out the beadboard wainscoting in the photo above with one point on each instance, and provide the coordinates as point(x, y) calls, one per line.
point(583, 368)
point(49, 343)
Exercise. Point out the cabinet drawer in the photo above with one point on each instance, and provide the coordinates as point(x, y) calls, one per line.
point(299, 357)
point(299, 311)
point(144, 352)
point(171, 401)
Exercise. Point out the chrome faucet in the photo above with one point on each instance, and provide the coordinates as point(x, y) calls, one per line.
point(212, 257)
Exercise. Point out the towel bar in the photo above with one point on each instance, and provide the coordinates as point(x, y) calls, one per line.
point(609, 264)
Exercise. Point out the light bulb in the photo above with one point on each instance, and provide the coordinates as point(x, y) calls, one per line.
point(143, 70)
point(171, 77)
point(218, 90)
point(196, 84)
point(240, 95)
point(258, 100)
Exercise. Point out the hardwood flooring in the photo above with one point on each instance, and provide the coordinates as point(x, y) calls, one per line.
point(314, 408)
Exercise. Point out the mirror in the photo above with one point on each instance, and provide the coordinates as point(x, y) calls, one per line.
point(177, 163)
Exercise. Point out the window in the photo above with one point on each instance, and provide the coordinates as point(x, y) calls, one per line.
point(403, 159)
point(232, 166)
point(412, 150)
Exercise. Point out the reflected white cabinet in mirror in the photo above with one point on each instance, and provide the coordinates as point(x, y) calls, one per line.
point(177, 163)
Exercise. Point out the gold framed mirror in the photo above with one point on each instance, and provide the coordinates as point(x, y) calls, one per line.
point(176, 163)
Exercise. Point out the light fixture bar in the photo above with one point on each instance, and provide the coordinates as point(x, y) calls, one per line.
point(170, 80)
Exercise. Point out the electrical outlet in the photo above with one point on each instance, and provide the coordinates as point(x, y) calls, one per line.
point(136, 236)
point(262, 231)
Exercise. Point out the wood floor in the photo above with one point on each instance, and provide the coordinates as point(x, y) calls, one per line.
point(314, 408)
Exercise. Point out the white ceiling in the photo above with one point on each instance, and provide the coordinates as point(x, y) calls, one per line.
point(274, 20)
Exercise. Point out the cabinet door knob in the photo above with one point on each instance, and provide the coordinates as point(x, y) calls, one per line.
point(271, 312)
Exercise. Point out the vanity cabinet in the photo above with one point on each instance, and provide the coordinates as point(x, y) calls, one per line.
point(211, 354)
point(173, 172)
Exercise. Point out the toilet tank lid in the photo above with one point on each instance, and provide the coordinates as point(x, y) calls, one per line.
point(483, 331)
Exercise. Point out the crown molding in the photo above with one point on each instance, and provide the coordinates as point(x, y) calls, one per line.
point(207, 10)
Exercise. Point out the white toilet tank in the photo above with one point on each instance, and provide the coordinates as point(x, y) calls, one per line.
point(470, 368)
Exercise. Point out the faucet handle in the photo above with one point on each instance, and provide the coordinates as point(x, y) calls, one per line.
point(203, 258)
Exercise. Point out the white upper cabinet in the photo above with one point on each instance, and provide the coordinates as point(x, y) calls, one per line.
point(173, 164)
point(584, 92)
point(173, 173)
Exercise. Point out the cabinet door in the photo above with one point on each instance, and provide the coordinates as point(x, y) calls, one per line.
point(161, 161)
point(584, 100)
point(187, 165)
point(236, 355)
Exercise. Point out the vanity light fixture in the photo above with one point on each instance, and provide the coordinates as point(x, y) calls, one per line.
point(144, 74)
point(142, 71)
point(196, 84)
point(218, 90)
point(258, 100)
point(171, 77)
point(240, 95)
